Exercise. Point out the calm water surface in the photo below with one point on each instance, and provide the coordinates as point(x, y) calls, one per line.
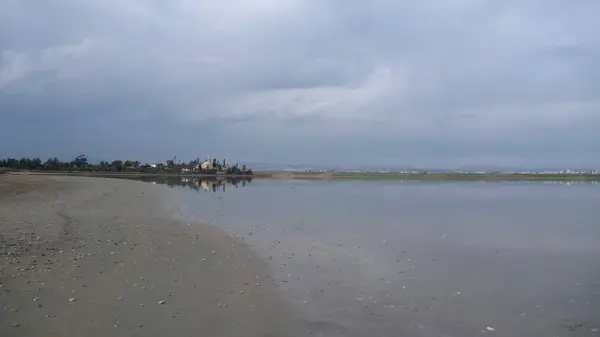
point(421, 259)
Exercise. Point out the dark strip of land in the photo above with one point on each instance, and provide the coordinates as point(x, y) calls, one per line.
point(366, 176)
point(429, 176)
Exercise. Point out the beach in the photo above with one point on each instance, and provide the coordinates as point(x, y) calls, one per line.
point(83, 256)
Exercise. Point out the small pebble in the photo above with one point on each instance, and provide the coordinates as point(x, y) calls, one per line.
point(72, 299)
point(161, 302)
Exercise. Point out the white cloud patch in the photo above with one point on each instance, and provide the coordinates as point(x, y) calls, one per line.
point(63, 61)
point(347, 101)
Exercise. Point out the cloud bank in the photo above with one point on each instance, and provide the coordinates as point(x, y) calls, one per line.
point(381, 82)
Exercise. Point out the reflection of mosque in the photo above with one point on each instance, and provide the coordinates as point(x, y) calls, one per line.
point(195, 183)
point(205, 184)
point(209, 185)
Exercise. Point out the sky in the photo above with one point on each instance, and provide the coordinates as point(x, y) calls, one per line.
point(381, 82)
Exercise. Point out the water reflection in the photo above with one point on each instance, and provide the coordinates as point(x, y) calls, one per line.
point(197, 184)
point(358, 258)
point(214, 184)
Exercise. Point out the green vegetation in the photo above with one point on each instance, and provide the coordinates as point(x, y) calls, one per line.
point(465, 176)
point(429, 176)
point(80, 164)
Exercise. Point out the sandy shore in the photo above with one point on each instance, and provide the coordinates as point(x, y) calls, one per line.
point(104, 257)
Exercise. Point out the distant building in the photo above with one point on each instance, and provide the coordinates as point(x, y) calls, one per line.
point(207, 164)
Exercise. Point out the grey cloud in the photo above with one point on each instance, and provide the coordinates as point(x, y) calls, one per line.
point(300, 80)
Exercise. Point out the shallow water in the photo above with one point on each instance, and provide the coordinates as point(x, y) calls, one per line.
point(422, 259)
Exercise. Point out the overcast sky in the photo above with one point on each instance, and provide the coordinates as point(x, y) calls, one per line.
point(388, 82)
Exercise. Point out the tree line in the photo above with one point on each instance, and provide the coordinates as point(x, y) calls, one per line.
point(81, 163)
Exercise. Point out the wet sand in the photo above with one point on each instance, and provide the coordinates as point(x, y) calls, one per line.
point(105, 257)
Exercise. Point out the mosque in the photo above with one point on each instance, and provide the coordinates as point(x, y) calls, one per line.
point(207, 164)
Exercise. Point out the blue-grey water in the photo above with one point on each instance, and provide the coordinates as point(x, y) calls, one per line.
point(421, 259)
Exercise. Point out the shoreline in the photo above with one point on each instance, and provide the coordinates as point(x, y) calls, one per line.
point(424, 176)
point(338, 175)
point(96, 257)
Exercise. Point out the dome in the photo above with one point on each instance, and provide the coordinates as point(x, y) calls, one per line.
point(207, 165)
